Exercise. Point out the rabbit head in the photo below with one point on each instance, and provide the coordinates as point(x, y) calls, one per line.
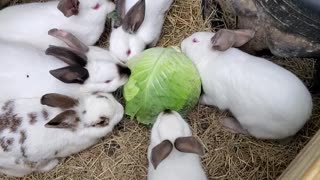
point(86, 8)
point(172, 131)
point(124, 43)
point(93, 114)
point(124, 46)
point(198, 43)
point(92, 66)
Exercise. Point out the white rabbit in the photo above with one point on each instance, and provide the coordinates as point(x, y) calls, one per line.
point(141, 24)
point(35, 132)
point(173, 153)
point(30, 22)
point(27, 72)
point(266, 100)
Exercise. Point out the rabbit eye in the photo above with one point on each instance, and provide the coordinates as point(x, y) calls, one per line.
point(128, 52)
point(194, 40)
point(97, 6)
point(104, 121)
point(108, 81)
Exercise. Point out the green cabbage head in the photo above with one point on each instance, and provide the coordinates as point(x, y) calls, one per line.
point(161, 78)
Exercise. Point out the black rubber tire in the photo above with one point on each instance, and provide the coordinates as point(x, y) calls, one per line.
point(295, 16)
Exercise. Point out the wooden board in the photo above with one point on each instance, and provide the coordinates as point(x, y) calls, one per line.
point(306, 166)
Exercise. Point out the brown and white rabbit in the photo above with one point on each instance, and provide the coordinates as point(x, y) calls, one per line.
point(36, 132)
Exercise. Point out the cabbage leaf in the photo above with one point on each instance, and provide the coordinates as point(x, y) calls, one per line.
point(161, 78)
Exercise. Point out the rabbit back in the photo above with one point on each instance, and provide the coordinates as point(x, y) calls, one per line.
point(25, 72)
point(268, 100)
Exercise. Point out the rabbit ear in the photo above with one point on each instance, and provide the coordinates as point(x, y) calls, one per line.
point(160, 152)
point(68, 38)
point(225, 39)
point(67, 55)
point(69, 7)
point(71, 74)
point(134, 17)
point(58, 100)
point(120, 13)
point(189, 145)
point(121, 8)
point(66, 119)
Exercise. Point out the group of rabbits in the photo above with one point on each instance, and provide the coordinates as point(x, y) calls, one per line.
point(56, 95)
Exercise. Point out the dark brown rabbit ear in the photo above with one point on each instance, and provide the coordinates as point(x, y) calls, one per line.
point(189, 145)
point(69, 7)
point(58, 100)
point(121, 12)
point(134, 18)
point(225, 39)
point(160, 152)
point(68, 38)
point(121, 8)
point(67, 55)
point(66, 120)
point(71, 74)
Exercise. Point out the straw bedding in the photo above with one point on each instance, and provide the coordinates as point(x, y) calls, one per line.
point(122, 155)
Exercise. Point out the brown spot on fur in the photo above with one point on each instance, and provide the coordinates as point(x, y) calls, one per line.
point(56, 153)
point(23, 137)
point(10, 141)
point(23, 152)
point(8, 119)
point(15, 123)
point(32, 118)
point(6, 143)
point(7, 105)
point(17, 161)
point(45, 114)
point(30, 163)
point(3, 145)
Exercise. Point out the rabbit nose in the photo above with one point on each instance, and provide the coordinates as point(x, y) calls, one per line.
point(123, 70)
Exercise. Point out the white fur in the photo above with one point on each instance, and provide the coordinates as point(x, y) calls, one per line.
point(147, 35)
point(178, 165)
point(42, 143)
point(24, 72)
point(268, 101)
point(31, 22)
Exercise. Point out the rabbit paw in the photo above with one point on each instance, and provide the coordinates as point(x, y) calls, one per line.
point(48, 165)
point(233, 125)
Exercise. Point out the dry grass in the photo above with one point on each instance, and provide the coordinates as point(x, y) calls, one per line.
point(122, 156)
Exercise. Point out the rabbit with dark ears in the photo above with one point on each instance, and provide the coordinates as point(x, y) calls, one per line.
point(76, 68)
point(173, 152)
point(139, 26)
point(36, 132)
point(266, 100)
point(29, 23)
